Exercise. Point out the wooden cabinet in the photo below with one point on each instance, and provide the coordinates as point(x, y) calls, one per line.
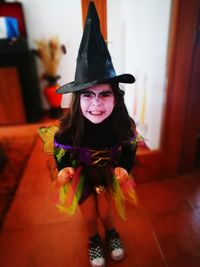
point(11, 101)
point(19, 86)
point(20, 99)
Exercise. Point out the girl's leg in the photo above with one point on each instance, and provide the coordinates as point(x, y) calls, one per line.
point(104, 209)
point(89, 214)
point(114, 243)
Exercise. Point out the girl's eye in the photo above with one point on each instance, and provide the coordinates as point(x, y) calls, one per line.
point(91, 95)
point(106, 94)
point(87, 95)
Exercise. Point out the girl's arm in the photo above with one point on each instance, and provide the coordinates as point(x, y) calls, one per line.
point(127, 156)
point(63, 162)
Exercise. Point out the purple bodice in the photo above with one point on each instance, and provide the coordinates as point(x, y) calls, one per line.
point(91, 157)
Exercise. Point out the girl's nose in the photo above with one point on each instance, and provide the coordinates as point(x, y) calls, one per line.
point(96, 101)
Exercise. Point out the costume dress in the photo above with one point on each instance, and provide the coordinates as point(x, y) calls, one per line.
point(94, 162)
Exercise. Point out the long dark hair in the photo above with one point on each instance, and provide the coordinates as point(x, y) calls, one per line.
point(73, 121)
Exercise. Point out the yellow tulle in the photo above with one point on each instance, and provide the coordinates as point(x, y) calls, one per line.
point(66, 205)
point(68, 210)
point(129, 192)
point(122, 193)
point(70, 194)
point(47, 135)
point(119, 199)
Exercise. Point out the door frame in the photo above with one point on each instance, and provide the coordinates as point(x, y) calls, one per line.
point(101, 6)
point(191, 146)
point(166, 162)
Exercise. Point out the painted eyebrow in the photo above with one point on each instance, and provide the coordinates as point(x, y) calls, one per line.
point(102, 92)
point(87, 92)
point(107, 91)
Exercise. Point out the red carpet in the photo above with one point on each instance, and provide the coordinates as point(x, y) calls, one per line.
point(17, 150)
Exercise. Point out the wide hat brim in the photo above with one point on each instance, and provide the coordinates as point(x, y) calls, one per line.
point(75, 87)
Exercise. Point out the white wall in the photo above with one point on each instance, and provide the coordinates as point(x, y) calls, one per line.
point(138, 38)
point(47, 18)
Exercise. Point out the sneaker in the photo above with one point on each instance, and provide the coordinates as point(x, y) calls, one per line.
point(114, 244)
point(96, 252)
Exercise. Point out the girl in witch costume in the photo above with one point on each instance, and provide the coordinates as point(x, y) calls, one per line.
point(95, 145)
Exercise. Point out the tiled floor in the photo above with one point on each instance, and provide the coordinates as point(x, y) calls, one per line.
point(163, 231)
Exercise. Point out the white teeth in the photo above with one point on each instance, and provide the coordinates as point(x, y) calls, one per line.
point(96, 112)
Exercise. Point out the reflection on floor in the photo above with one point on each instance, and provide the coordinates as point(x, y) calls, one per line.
point(163, 231)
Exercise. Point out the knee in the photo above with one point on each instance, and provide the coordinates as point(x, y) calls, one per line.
point(105, 215)
point(88, 210)
point(89, 216)
point(90, 220)
point(104, 207)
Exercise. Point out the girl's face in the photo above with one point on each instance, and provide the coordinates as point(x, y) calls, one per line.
point(97, 102)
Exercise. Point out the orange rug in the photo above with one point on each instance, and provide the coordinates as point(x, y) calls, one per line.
point(17, 150)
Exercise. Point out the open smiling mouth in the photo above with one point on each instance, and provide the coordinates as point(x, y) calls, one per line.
point(96, 113)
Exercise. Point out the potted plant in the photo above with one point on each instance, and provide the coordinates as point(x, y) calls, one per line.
point(50, 52)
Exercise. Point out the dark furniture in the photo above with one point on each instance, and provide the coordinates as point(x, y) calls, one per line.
point(20, 99)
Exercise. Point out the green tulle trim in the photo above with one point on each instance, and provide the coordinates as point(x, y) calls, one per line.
point(70, 195)
point(68, 210)
point(59, 153)
point(47, 135)
point(64, 206)
point(80, 188)
point(122, 193)
point(119, 199)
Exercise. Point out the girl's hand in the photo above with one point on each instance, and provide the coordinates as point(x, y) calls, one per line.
point(65, 175)
point(121, 174)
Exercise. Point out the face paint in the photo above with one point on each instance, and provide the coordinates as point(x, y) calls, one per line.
point(97, 102)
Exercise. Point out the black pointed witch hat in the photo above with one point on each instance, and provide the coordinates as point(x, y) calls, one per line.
point(94, 64)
